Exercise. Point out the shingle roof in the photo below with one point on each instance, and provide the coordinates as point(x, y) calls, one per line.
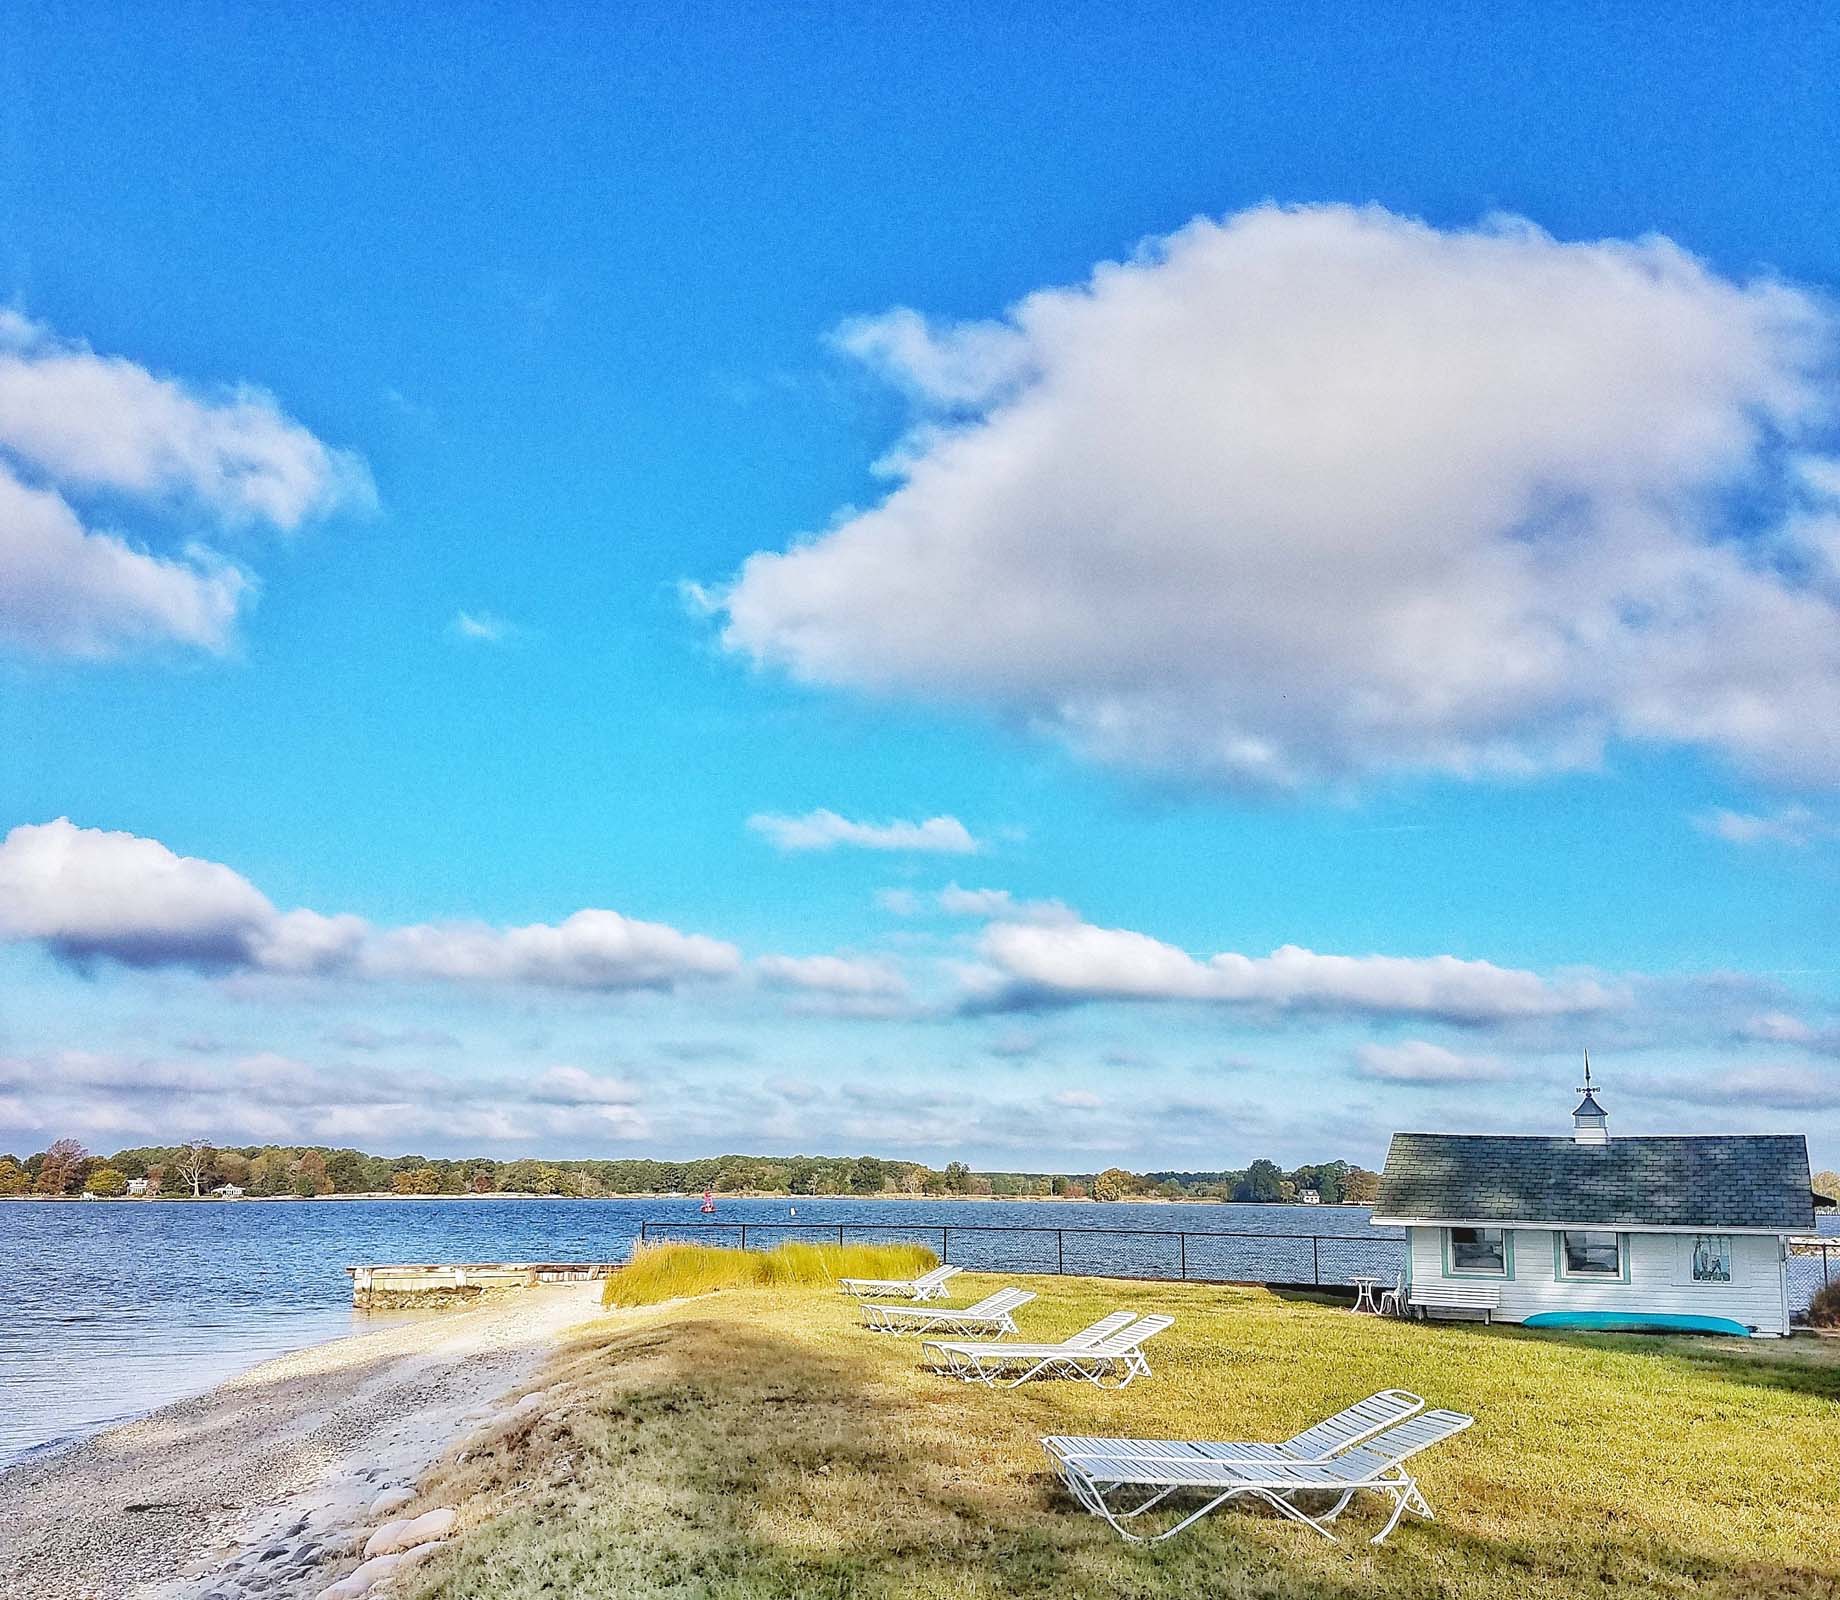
point(1731, 1181)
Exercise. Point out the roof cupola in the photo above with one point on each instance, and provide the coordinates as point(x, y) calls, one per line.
point(1588, 1121)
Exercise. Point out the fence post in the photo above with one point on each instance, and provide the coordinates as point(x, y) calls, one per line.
point(744, 1236)
point(1060, 1252)
point(840, 1236)
point(942, 1245)
point(1182, 1239)
point(1316, 1257)
point(642, 1230)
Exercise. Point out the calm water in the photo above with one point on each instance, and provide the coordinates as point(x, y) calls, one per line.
point(115, 1308)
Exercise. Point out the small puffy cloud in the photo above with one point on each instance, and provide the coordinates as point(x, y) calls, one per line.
point(102, 422)
point(1795, 826)
point(1076, 1100)
point(1069, 963)
point(898, 902)
point(571, 1086)
point(75, 424)
point(999, 905)
point(66, 590)
point(1420, 1061)
point(1777, 1027)
point(589, 950)
point(826, 830)
point(85, 894)
point(835, 975)
point(1505, 462)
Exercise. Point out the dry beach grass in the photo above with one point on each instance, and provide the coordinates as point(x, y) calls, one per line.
point(756, 1444)
point(660, 1272)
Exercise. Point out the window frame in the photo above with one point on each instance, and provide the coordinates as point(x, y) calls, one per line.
point(1505, 1270)
point(1727, 1255)
point(1563, 1270)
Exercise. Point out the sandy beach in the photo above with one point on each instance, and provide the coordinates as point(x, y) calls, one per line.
point(266, 1484)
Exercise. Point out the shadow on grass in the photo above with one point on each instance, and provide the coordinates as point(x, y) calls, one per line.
point(718, 1455)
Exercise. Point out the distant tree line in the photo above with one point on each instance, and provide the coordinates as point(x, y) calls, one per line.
point(198, 1168)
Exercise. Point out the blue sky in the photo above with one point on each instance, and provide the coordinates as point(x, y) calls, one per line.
point(404, 426)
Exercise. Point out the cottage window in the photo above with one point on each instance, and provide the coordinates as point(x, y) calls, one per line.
point(1478, 1250)
point(1590, 1254)
point(1712, 1258)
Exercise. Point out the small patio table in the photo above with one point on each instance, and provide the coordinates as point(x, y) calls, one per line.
point(1364, 1295)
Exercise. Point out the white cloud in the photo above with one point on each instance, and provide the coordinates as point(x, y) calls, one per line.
point(1777, 1088)
point(1308, 495)
point(590, 950)
point(103, 422)
point(1076, 1100)
point(85, 894)
point(1062, 964)
point(73, 423)
point(481, 627)
point(1420, 1061)
point(999, 905)
point(571, 1086)
point(898, 902)
point(836, 975)
point(68, 591)
point(274, 1098)
point(1795, 826)
point(826, 830)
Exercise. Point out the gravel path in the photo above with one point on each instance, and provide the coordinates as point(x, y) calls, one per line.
point(264, 1485)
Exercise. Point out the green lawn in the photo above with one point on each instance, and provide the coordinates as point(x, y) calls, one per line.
point(755, 1444)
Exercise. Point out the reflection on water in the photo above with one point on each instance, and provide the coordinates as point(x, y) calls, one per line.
point(116, 1307)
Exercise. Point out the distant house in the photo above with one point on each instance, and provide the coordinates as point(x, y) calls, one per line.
point(1587, 1231)
point(228, 1191)
point(137, 1186)
point(1308, 1197)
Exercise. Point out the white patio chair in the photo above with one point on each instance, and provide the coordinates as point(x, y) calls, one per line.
point(1347, 1427)
point(995, 1313)
point(1393, 1300)
point(928, 1286)
point(1109, 1354)
point(1378, 1464)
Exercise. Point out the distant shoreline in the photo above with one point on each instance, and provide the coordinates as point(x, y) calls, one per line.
point(599, 1199)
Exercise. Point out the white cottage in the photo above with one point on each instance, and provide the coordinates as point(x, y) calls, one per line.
point(1656, 1234)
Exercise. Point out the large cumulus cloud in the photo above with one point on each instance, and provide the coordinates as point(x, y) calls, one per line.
point(1315, 494)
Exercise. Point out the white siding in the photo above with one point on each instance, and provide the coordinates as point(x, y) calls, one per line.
point(1660, 1278)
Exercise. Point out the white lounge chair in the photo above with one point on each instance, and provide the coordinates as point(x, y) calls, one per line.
point(1377, 1464)
point(1348, 1426)
point(995, 1313)
point(928, 1286)
point(1109, 1354)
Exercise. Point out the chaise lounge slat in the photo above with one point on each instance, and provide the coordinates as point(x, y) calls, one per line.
point(928, 1286)
point(995, 1313)
point(1347, 1427)
point(1109, 1354)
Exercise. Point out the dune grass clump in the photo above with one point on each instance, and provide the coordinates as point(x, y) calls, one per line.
point(659, 1272)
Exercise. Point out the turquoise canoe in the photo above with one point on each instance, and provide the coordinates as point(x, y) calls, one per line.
point(1637, 1322)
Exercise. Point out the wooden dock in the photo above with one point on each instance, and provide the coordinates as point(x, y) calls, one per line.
point(412, 1284)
